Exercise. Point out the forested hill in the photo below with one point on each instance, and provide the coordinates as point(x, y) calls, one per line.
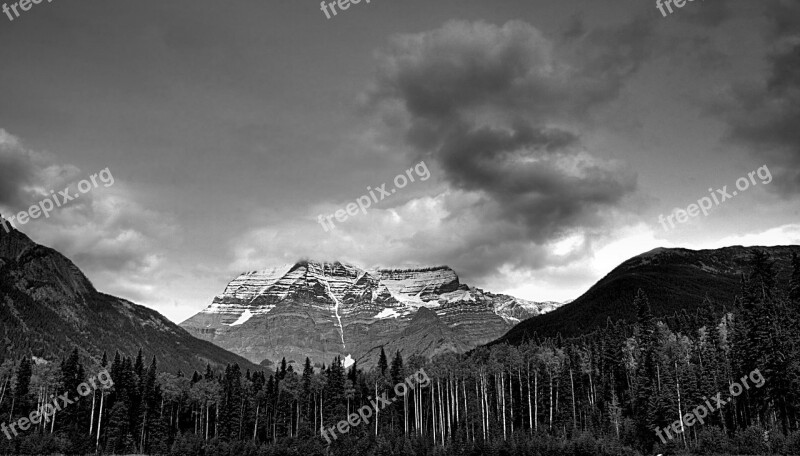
point(674, 279)
point(48, 307)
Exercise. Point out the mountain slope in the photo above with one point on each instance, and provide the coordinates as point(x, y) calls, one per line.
point(48, 307)
point(674, 279)
point(322, 310)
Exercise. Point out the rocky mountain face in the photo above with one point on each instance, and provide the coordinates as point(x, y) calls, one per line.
point(48, 307)
point(321, 310)
point(674, 280)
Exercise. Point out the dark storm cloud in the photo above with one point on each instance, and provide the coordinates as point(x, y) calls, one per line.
point(498, 109)
point(524, 170)
point(24, 173)
point(765, 116)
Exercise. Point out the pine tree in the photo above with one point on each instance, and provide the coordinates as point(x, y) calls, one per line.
point(22, 399)
point(307, 391)
point(149, 410)
point(762, 277)
point(383, 363)
point(281, 374)
point(231, 404)
point(396, 372)
point(138, 367)
point(334, 398)
point(646, 397)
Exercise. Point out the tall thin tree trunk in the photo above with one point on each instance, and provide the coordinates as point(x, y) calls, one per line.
point(680, 412)
point(503, 398)
point(100, 420)
point(536, 399)
point(207, 420)
point(3, 391)
point(255, 427)
point(466, 408)
point(530, 408)
point(433, 415)
point(91, 418)
point(551, 401)
point(572, 388)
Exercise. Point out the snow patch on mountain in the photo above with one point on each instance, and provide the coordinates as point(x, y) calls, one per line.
point(246, 315)
point(387, 313)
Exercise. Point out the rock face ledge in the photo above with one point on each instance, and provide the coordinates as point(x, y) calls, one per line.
point(322, 310)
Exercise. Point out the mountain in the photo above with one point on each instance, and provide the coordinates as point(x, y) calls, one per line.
point(321, 310)
point(674, 280)
point(48, 307)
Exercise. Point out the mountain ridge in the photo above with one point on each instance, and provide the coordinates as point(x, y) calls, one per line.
point(351, 310)
point(48, 307)
point(673, 278)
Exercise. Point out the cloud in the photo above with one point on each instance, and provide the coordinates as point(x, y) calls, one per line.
point(499, 109)
point(458, 228)
point(23, 171)
point(764, 115)
point(107, 232)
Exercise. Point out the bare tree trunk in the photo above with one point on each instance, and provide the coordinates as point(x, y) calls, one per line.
point(53, 423)
point(100, 419)
point(572, 388)
point(511, 400)
point(478, 397)
point(521, 395)
point(551, 401)
point(433, 415)
point(91, 418)
point(536, 398)
point(405, 414)
point(466, 408)
point(3, 391)
point(530, 408)
point(144, 425)
point(485, 399)
point(442, 412)
point(255, 428)
point(680, 412)
point(503, 398)
point(449, 397)
point(207, 411)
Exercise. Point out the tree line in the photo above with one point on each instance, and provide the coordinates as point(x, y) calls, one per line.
point(606, 392)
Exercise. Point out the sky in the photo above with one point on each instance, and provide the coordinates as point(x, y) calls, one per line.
point(549, 141)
